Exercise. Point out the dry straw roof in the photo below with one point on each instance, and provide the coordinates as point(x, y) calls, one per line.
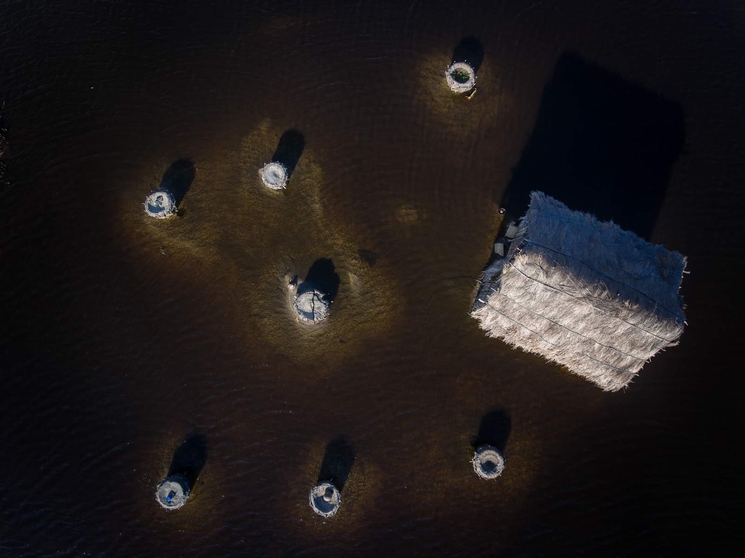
point(582, 293)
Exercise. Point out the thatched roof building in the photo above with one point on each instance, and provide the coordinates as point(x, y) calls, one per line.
point(585, 294)
point(161, 204)
point(173, 492)
point(325, 499)
point(274, 175)
point(488, 462)
point(461, 77)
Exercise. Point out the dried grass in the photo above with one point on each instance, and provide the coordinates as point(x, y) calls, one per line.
point(582, 293)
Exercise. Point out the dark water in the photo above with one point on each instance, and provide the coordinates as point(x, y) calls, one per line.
point(130, 348)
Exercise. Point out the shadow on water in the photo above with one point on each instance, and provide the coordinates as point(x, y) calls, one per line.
point(469, 50)
point(178, 178)
point(322, 276)
point(601, 145)
point(337, 463)
point(368, 256)
point(289, 150)
point(189, 458)
point(494, 429)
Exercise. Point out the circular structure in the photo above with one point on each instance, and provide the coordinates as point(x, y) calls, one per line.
point(160, 204)
point(274, 176)
point(461, 77)
point(173, 492)
point(488, 462)
point(325, 499)
point(311, 307)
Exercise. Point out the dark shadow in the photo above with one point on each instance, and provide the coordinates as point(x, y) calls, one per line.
point(368, 256)
point(337, 463)
point(469, 50)
point(189, 458)
point(494, 429)
point(178, 178)
point(601, 145)
point(322, 276)
point(289, 150)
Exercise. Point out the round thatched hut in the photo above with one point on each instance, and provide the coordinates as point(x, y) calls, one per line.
point(274, 175)
point(173, 492)
point(325, 499)
point(461, 77)
point(310, 305)
point(160, 204)
point(488, 462)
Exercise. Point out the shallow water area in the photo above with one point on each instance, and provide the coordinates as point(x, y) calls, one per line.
point(123, 337)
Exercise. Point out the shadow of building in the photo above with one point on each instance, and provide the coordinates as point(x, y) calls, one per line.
point(601, 145)
point(289, 150)
point(494, 429)
point(337, 463)
point(178, 179)
point(322, 277)
point(470, 51)
point(189, 458)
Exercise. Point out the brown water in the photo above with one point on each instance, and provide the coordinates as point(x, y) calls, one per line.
point(122, 336)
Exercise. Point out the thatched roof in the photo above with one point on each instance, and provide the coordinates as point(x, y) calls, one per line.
point(488, 462)
point(585, 294)
point(325, 499)
point(461, 77)
point(173, 492)
point(160, 204)
point(274, 175)
point(311, 306)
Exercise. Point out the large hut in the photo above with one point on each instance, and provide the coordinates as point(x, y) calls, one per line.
point(582, 293)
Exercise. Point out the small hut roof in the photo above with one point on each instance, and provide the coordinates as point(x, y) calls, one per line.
point(274, 175)
point(462, 69)
point(488, 462)
point(325, 499)
point(160, 204)
point(583, 293)
point(311, 307)
point(173, 492)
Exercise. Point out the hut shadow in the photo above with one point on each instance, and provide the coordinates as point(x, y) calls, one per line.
point(337, 463)
point(368, 257)
point(189, 458)
point(601, 145)
point(469, 50)
point(494, 429)
point(322, 276)
point(178, 179)
point(289, 150)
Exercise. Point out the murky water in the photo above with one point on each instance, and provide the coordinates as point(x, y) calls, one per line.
point(123, 336)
